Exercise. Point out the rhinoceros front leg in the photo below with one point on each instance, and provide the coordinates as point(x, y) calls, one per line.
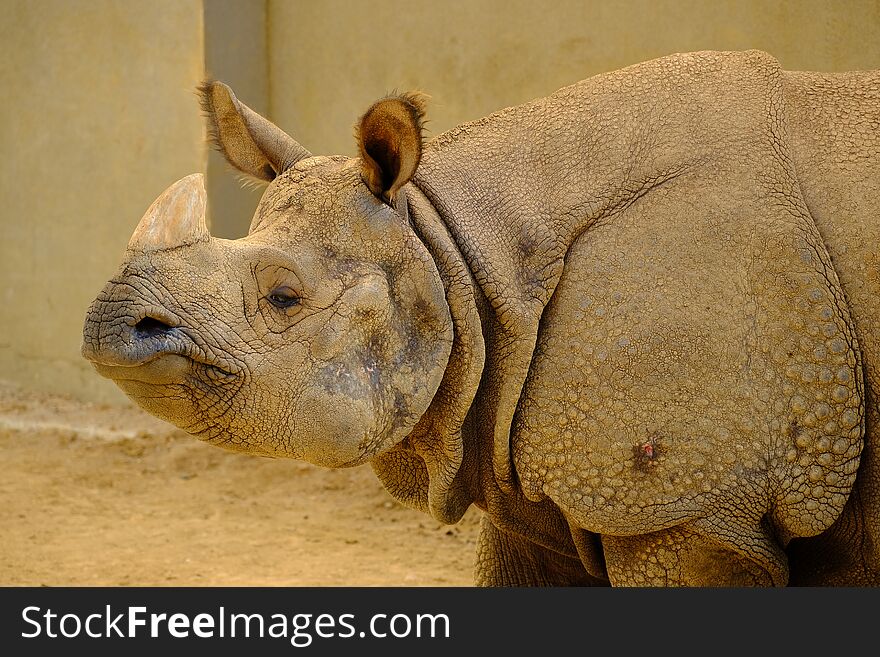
point(679, 556)
point(507, 560)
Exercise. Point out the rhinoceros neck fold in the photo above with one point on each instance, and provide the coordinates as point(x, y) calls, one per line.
point(508, 335)
point(446, 458)
point(453, 445)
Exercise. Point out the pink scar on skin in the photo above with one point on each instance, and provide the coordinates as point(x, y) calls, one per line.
point(646, 453)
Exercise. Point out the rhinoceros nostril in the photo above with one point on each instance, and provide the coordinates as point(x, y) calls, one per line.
point(150, 327)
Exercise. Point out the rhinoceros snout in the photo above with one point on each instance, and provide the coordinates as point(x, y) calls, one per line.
point(129, 338)
point(115, 335)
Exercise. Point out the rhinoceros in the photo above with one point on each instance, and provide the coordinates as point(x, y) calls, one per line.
point(636, 322)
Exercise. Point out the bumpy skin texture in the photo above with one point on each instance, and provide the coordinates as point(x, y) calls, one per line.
point(835, 145)
point(635, 322)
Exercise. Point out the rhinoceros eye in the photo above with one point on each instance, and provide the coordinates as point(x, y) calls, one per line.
point(283, 297)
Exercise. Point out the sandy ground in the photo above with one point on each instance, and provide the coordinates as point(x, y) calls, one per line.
point(97, 495)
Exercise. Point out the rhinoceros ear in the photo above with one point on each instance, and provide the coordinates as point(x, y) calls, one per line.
point(249, 142)
point(389, 137)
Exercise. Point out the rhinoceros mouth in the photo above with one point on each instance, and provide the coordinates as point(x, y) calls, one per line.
point(165, 368)
point(162, 369)
point(159, 353)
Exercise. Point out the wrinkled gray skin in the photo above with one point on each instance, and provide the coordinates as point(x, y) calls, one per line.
point(636, 322)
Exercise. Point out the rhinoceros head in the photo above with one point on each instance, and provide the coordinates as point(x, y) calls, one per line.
point(321, 335)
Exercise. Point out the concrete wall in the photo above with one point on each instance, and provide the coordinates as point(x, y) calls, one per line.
point(329, 60)
point(99, 114)
point(98, 118)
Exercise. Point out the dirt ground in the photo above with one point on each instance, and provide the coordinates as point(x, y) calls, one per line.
point(96, 495)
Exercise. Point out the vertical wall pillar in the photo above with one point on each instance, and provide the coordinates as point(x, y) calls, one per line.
point(236, 53)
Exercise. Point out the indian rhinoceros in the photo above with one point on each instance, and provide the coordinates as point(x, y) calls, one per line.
point(636, 322)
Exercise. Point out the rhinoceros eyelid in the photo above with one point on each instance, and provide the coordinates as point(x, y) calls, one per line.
point(283, 298)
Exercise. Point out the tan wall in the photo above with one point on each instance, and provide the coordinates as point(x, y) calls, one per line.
point(98, 117)
point(331, 59)
point(99, 114)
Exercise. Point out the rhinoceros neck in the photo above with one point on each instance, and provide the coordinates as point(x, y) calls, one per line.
point(435, 468)
point(446, 463)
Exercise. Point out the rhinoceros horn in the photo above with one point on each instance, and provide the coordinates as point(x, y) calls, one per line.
point(176, 218)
